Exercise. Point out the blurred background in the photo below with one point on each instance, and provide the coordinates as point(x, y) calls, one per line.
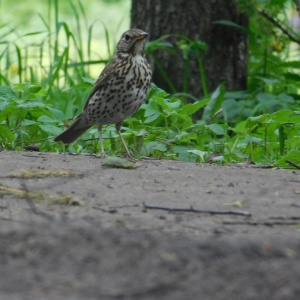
point(31, 25)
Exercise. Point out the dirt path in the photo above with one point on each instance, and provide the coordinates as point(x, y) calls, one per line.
point(108, 246)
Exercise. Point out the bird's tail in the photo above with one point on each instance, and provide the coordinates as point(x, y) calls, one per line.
point(73, 132)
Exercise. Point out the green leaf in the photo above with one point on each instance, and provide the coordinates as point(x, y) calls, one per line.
point(6, 93)
point(57, 114)
point(6, 134)
point(232, 24)
point(267, 80)
point(31, 91)
point(27, 122)
point(216, 129)
point(161, 101)
point(265, 97)
point(157, 92)
point(34, 33)
point(46, 119)
point(31, 104)
point(291, 64)
point(50, 129)
point(191, 108)
point(292, 76)
point(215, 103)
point(151, 112)
point(154, 45)
point(88, 80)
point(117, 162)
point(201, 154)
point(285, 116)
point(293, 156)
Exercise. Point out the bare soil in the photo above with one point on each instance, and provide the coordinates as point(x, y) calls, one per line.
point(106, 245)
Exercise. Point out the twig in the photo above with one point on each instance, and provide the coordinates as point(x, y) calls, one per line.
point(262, 223)
point(111, 211)
point(114, 209)
point(264, 166)
point(292, 164)
point(291, 35)
point(32, 205)
point(124, 206)
point(200, 211)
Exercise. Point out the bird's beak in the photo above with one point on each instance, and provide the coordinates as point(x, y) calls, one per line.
point(142, 36)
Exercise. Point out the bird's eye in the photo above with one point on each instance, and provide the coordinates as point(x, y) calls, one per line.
point(127, 37)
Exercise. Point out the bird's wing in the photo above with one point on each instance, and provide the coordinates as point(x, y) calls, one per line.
point(107, 73)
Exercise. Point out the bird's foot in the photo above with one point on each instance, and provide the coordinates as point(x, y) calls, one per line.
point(129, 156)
point(102, 155)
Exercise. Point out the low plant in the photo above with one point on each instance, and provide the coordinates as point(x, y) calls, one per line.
point(37, 102)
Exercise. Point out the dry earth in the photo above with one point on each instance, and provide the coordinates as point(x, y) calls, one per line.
point(106, 245)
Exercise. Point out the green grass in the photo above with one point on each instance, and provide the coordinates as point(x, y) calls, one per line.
point(46, 75)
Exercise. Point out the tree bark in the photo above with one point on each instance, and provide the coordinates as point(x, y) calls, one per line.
point(226, 58)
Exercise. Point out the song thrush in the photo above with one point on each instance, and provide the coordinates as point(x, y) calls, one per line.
point(119, 91)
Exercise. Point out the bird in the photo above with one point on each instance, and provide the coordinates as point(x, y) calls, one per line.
point(119, 91)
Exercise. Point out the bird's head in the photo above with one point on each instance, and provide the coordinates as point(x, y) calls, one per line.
point(132, 42)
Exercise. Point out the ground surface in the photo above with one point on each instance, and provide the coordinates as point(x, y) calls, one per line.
point(108, 246)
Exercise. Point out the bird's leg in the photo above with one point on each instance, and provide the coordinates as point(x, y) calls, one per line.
point(128, 154)
point(103, 154)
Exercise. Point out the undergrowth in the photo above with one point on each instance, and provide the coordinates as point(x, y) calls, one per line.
point(38, 100)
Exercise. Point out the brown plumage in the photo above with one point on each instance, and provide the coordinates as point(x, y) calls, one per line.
point(119, 91)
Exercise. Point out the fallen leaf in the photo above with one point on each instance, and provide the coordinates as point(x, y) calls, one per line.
point(117, 162)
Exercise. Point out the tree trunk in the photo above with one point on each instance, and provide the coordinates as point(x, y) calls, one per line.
point(226, 58)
